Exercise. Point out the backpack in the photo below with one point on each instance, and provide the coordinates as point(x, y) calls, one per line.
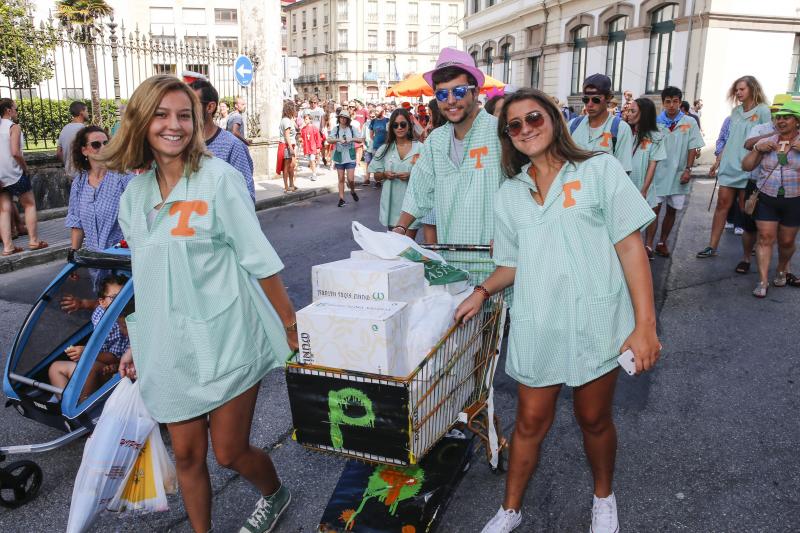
point(573, 125)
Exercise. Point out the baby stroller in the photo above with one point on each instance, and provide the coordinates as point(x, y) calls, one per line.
point(45, 334)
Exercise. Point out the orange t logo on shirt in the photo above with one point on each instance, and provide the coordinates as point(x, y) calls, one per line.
point(185, 210)
point(570, 186)
point(754, 118)
point(684, 127)
point(476, 154)
point(606, 137)
point(645, 144)
point(414, 159)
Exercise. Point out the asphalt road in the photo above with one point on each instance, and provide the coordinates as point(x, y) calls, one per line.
point(708, 441)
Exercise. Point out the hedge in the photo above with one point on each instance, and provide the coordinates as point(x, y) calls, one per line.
point(43, 118)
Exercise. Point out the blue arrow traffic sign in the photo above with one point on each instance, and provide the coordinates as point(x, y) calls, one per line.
point(243, 70)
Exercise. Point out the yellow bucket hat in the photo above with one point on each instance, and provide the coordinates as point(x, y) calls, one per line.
point(779, 100)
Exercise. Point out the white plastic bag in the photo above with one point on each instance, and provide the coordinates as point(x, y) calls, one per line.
point(109, 454)
point(427, 319)
point(150, 479)
point(388, 245)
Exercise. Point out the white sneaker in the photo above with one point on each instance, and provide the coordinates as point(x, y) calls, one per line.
point(503, 522)
point(738, 231)
point(604, 515)
point(729, 225)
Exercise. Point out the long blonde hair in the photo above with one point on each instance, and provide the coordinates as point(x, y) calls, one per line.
point(129, 149)
point(755, 90)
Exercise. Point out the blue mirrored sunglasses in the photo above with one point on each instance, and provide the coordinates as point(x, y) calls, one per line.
point(459, 92)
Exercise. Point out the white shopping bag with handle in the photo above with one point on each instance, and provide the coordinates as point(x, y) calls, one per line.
point(109, 455)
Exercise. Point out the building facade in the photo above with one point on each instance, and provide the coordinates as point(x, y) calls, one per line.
point(701, 46)
point(359, 48)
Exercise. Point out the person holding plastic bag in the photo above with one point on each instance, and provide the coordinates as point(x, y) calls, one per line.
point(212, 315)
point(567, 236)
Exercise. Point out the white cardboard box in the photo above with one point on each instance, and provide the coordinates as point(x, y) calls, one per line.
point(453, 288)
point(353, 335)
point(368, 280)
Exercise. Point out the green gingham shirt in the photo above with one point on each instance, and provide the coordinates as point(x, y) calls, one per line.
point(203, 331)
point(684, 136)
point(599, 139)
point(650, 149)
point(462, 195)
point(572, 310)
point(730, 165)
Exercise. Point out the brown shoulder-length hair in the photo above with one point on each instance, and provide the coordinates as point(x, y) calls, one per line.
point(562, 148)
point(755, 90)
point(129, 149)
point(79, 160)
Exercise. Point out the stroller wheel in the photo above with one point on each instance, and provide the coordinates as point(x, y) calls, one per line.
point(19, 483)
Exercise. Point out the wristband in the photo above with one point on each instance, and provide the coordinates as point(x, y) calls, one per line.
point(483, 290)
point(291, 327)
point(405, 229)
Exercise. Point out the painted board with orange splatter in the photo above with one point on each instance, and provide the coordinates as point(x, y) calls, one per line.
point(394, 499)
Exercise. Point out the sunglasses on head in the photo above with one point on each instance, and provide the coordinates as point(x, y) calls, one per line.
point(594, 99)
point(398, 125)
point(98, 144)
point(534, 119)
point(459, 92)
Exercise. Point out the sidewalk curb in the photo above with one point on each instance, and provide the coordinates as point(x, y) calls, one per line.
point(59, 251)
point(294, 197)
point(28, 259)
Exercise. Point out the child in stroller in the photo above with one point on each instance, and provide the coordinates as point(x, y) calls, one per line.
point(114, 346)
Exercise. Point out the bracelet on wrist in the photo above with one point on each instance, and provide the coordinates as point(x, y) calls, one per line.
point(291, 327)
point(405, 229)
point(483, 290)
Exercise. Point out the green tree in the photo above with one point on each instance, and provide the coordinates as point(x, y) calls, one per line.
point(26, 56)
point(82, 18)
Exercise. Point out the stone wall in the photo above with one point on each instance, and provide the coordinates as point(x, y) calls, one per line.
point(51, 184)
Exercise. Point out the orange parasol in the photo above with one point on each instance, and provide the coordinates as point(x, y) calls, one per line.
point(417, 86)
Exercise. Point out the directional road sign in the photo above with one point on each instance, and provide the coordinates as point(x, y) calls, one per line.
point(243, 70)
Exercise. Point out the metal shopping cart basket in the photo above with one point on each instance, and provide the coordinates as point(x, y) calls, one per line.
point(397, 420)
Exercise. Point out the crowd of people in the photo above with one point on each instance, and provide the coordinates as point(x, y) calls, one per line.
point(576, 205)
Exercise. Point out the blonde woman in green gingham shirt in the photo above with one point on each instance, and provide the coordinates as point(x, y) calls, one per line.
point(567, 236)
point(212, 315)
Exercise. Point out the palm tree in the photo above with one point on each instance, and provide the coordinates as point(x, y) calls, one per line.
point(82, 19)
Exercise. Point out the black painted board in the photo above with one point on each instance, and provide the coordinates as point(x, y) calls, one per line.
point(351, 416)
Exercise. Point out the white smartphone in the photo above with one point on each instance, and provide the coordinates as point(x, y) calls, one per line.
point(627, 362)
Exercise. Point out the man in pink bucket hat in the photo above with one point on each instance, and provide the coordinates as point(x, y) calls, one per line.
point(458, 170)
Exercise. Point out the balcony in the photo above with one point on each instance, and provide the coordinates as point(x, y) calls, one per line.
point(413, 19)
point(390, 17)
point(435, 20)
point(372, 17)
point(342, 76)
point(370, 76)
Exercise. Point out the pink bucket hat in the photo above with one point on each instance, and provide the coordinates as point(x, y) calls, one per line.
point(451, 57)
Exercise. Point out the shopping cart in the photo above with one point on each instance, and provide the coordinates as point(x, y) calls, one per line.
point(397, 420)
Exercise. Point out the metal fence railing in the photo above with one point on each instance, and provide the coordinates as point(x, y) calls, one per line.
point(103, 66)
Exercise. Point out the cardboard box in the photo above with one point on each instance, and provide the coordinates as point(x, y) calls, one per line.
point(453, 288)
point(366, 336)
point(368, 280)
point(366, 256)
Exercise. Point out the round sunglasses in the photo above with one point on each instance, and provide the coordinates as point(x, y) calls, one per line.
point(594, 99)
point(97, 144)
point(534, 119)
point(398, 125)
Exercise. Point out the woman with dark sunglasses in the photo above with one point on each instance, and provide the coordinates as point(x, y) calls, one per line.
point(93, 198)
point(392, 166)
point(567, 236)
